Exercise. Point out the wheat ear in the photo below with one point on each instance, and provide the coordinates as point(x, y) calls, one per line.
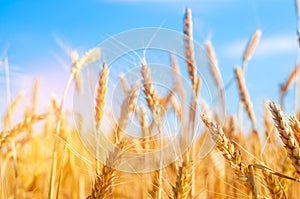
point(252, 44)
point(176, 73)
point(100, 96)
point(213, 63)
point(127, 107)
point(124, 83)
point(298, 14)
point(285, 87)
point(151, 95)
point(245, 98)
point(7, 136)
point(189, 47)
point(183, 185)
point(295, 126)
point(226, 147)
point(12, 109)
point(89, 57)
point(274, 186)
point(106, 176)
point(290, 143)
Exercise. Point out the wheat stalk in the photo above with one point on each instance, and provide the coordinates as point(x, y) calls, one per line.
point(89, 57)
point(269, 130)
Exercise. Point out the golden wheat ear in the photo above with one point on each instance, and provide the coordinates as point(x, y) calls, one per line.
point(252, 44)
point(286, 134)
point(289, 81)
point(150, 93)
point(231, 154)
point(189, 47)
point(183, 185)
point(100, 96)
point(244, 95)
point(213, 64)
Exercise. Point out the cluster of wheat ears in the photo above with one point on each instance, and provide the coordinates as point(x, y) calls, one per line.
point(49, 161)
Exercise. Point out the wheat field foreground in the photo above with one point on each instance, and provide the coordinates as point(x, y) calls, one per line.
point(43, 156)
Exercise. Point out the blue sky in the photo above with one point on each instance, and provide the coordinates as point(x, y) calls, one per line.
point(30, 31)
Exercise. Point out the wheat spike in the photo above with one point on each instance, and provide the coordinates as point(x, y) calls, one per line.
point(178, 82)
point(275, 188)
point(244, 94)
point(105, 178)
point(229, 152)
point(295, 126)
point(100, 96)
point(213, 63)
point(189, 46)
point(7, 136)
point(12, 109)
point(183, 185)
point(298, 8)
point(176, 106)
point(124, 83)
point(34, 96)
point(251, 46)
point(90, 56)
point(286, 135)
point(285, 87)
point(151, 95)
point(127, 107)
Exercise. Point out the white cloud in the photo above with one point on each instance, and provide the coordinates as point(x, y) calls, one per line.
point(268, 46)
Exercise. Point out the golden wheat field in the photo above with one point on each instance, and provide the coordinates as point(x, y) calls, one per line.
point(42, 155)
